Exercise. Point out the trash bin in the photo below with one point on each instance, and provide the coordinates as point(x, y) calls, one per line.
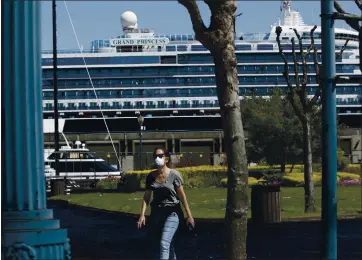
point(265, 204)
point(57, 187)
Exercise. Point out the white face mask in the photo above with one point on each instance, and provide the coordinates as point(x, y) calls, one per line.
point(160, 161)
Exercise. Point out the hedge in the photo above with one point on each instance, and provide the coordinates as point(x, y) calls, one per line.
point(297, 179)
point(251, 181)
point(216, 176)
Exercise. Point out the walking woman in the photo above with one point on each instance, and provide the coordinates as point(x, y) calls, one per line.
point(166, 214)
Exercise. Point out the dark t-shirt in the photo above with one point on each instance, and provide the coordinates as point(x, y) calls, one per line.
point(164, 194)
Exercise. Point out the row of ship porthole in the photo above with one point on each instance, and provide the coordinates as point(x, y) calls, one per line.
point(173, 104)
point(89, 94)
point(173, 81)
point(173, 71)
point(180, 59)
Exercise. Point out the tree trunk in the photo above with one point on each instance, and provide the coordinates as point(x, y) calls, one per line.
point(236, 214)
point(283, 157)
point(218, 38)
point(282, 167)
point(309, 194)
point(291, 168)
point(283, 161)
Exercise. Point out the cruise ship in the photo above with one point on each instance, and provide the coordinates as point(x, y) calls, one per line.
point(168, 77)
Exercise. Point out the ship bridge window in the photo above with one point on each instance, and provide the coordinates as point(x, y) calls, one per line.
point(265, 47)
point(182, 47)
point(198, 48)
point(287, 47)
point(171, 48)
point(243, 47)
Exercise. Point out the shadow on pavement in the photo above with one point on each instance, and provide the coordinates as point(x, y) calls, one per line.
point(108, 235)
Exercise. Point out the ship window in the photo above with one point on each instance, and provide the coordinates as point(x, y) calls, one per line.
point(265, 47)
point(168, 59)
point(198, 48)
point(243, 47)
point(171, 48)
point(104, 167)
point(181, 48)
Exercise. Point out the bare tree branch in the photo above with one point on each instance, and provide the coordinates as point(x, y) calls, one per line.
point(290, 94)
point(196, 19)
point(236, 16)
point(342, 49)
point(353, 23)
point(346, 17)
point(318, 93)
point(297, 110)
point(311, 46)
point(296, 67)
point(359, 4)
point(338, 7)
point(348, 80)
point(304, 63)
point(286, 68)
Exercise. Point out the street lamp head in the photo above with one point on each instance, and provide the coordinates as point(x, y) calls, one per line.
point(140, 120)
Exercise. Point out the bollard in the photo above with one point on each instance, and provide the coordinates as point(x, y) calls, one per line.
point(57, 187)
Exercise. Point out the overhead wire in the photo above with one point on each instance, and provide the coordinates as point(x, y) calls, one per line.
point(91, 81)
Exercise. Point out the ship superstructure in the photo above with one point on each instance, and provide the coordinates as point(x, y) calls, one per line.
point(141, 72)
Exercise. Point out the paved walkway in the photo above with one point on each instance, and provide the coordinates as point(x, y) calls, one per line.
point(102, 235)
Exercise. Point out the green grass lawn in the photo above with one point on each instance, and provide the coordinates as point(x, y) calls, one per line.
point(210, 202)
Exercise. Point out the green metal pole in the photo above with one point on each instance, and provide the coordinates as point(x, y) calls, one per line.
point(329, 134)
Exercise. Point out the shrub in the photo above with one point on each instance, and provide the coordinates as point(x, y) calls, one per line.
point(251, 181)
point(224, 182)
point(353, 168)
point(200, 176)
point(275, 177)
point(344, 176)
point(206, 176)
point(342, 161)
point(297, 179)
point(316, 167)
point(109, 183)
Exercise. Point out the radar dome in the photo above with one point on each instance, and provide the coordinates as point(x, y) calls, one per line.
point(129, 20)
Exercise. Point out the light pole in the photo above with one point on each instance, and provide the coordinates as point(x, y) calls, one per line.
point(55, 82)
point(329, 136)
point(140, 120)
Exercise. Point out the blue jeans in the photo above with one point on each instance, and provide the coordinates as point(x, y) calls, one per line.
point(167, 248)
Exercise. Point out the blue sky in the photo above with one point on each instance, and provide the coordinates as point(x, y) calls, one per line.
point(95, 20)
